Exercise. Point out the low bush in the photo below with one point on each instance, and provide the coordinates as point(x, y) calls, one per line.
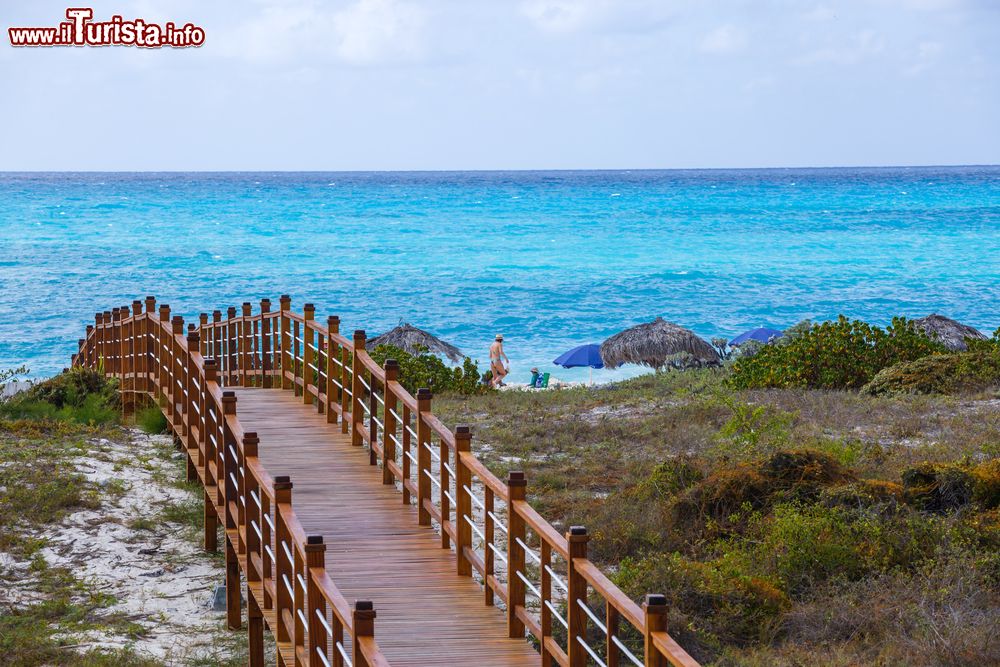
point(941, 487)
point(865, 494)
point(427, 370)
point(151, 420)
point(844, 354)
point(962, 373)
point(715, 607)
point(79, 395)
point(729, 493)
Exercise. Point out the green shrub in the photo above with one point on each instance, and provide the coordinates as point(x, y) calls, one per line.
point(845, 354)
point(427, 370)
point(667, 479)
point(718, 606)
point(730, 493)
point(800, 545)
point(752, 430)
point(79, 395)
point(10, 375)
point(938, 374)
point(865, 493)
point(151, 420)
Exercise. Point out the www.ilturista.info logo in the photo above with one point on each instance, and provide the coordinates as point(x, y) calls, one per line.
point(80, 30)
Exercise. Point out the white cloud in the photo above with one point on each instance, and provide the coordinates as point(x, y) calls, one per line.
point(855, 50)
point(927, 53)
point(365, 32)
point(724, 39)
point(606, 16)
point(375, 30)
point(820, 13)
point(561, 15)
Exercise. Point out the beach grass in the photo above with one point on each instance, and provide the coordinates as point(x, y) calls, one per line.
point(771, 517)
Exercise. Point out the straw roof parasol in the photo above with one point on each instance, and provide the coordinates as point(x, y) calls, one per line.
point(947, 331)
point(657, 344)
point(413, 340)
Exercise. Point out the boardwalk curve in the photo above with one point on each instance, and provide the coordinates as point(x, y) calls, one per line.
point(335, 484)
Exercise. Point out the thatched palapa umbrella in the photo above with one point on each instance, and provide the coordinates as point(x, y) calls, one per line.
point(415, 341)
point(657, 344)
point(948, 332)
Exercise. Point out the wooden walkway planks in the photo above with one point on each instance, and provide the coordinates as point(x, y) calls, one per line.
point(427, 614)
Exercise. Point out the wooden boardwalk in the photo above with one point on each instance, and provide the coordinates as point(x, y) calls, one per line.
point(427, 614)
point(346, 505)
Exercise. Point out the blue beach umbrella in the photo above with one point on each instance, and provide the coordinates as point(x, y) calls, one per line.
point(584, 355)
point(760, 334)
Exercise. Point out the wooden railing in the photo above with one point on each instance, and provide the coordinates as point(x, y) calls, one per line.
point(545, 581)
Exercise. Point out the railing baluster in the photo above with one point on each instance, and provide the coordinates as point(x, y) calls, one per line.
point(611, 619)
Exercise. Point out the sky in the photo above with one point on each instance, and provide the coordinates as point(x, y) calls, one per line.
point(510, 84)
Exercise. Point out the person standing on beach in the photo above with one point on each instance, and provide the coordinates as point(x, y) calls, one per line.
point(497, 358)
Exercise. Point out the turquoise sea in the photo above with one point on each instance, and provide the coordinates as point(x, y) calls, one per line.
point(550, 259)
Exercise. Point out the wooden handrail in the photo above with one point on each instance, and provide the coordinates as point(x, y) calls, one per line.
point(154, 356)
point(433, 465)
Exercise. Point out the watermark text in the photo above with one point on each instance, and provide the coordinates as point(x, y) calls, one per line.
point(81, 30)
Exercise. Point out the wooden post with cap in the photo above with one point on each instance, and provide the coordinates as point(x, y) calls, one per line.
point(175, 375)
point(654, 609)
point(206, 336)
point(308, 352)
point(216, 352)
point(315, 603)
point(147, 343)
point(577, 539)
point(285, 304)
point(116, 344)
point(283, 568)
point(332, 371)
point(227, 466)
point(266, 362)
point(363, 623)
point(251, 512)
point(98, 340)
point(391, 368)
point(245, 345)
point(516, 492)
point(423, 457)
point(357, 412)
point(232, 375)
point(463, 502)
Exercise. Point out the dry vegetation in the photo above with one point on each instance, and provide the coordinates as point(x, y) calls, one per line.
point(100, 562)
point(787, 526)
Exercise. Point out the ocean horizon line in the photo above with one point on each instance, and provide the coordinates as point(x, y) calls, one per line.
point(562, 170)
